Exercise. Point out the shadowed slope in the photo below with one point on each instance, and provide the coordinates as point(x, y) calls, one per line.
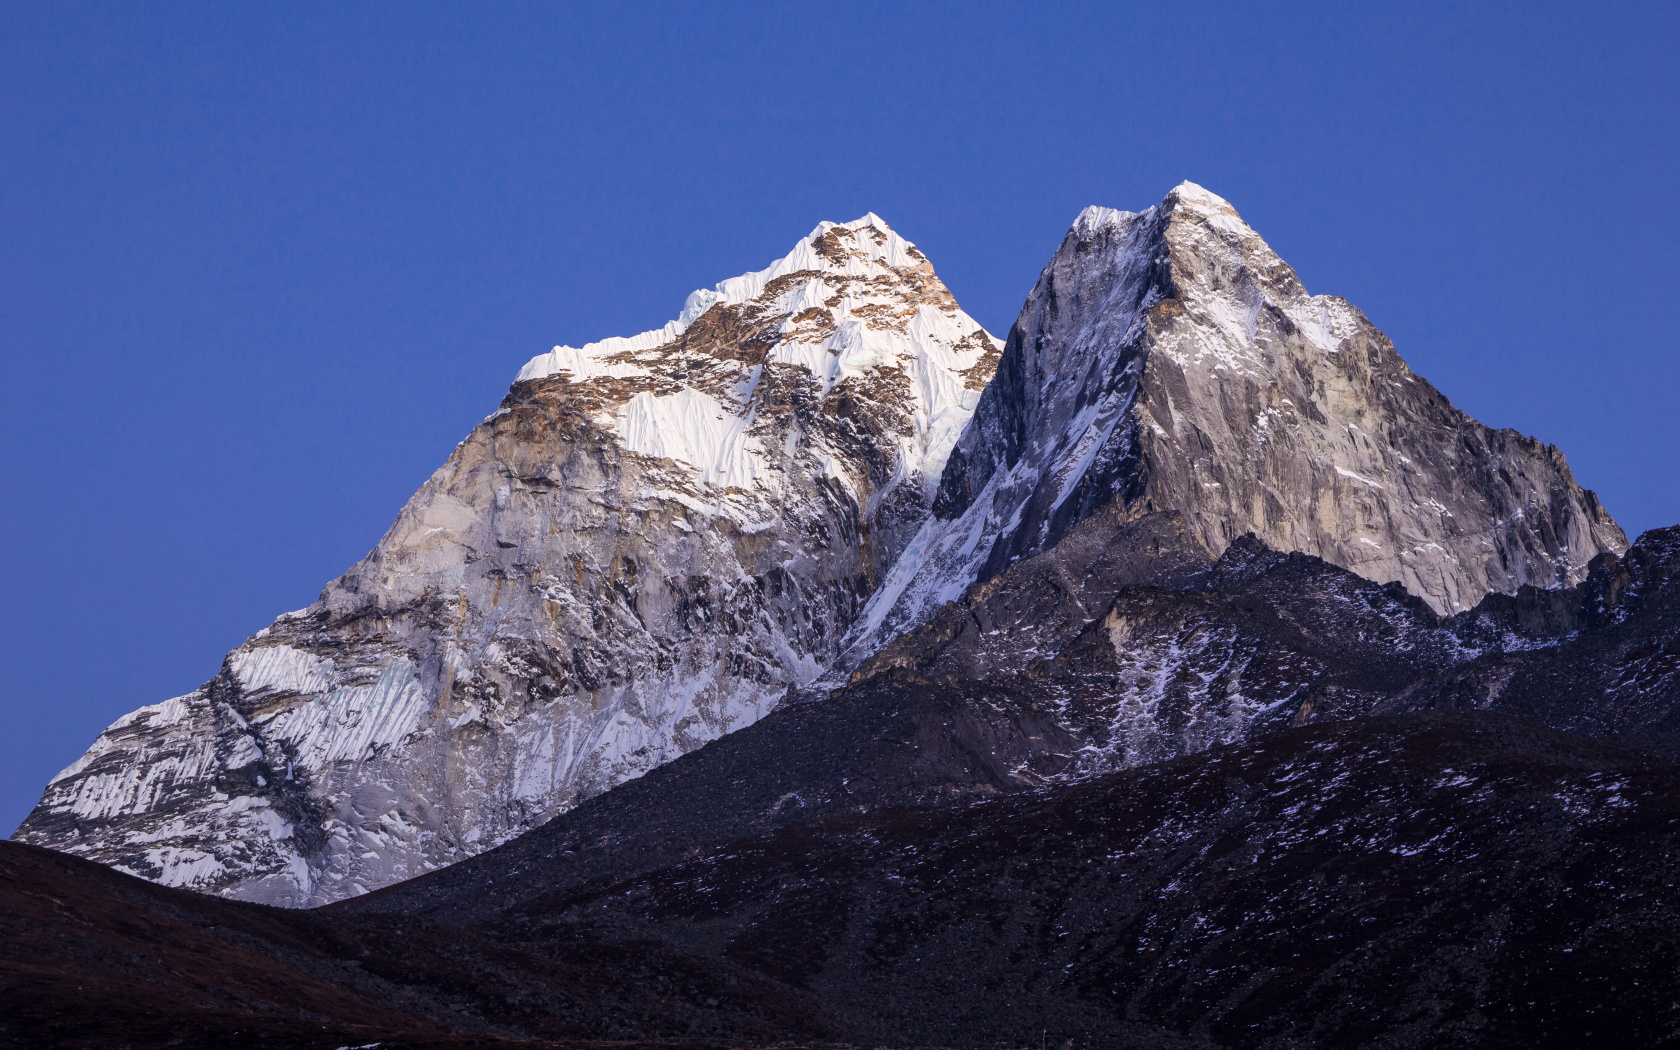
point(1440, 879)
point(90, 957)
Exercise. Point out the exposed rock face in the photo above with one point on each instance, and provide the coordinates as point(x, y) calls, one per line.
point(1601, 658)
point(1117, 674)
point(650, 542)
point(1168, 360)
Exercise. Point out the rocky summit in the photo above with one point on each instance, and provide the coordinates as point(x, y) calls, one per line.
point(804, 524)
point(1168, 362)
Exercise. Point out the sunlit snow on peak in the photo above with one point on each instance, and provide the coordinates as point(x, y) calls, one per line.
point(853, 298)
point(1096, 218)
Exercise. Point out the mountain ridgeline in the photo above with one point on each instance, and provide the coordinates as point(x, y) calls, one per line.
point(1194, 503)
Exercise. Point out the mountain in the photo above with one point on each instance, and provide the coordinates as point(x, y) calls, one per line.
point(1226, 688)
point(658, 540)
point(1441, 879)
point(1261, 642)
point(644, 548)
point(1374, 849)
point(93, 958)
point(1436, 879)
point(1168, 361)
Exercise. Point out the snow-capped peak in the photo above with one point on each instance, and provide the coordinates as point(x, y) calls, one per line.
point(876, 255)
point(850, 300)
point(1215, 210)
point(1188, 196)
point(1198, 196)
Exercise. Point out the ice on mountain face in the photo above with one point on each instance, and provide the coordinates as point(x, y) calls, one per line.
point(645, 547)
point(694, 428)
point(281, 669)
point(1096, 218)
point(1169, 360)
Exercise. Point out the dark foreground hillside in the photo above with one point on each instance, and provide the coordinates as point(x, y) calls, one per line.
point(90, 957)
point(1436, 879)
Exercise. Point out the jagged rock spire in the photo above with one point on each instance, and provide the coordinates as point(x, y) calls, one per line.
point(1171, 361)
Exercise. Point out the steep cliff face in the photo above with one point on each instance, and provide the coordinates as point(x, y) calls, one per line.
point(1169, 361)
point(642, 550)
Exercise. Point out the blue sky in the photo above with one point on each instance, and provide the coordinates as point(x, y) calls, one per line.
point(262, 266)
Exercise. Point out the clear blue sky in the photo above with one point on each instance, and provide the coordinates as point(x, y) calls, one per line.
point(262, 265)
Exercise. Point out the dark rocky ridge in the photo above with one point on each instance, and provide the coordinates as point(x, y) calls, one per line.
point(940, 722)
point(1436, 879)
point(90, 957)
